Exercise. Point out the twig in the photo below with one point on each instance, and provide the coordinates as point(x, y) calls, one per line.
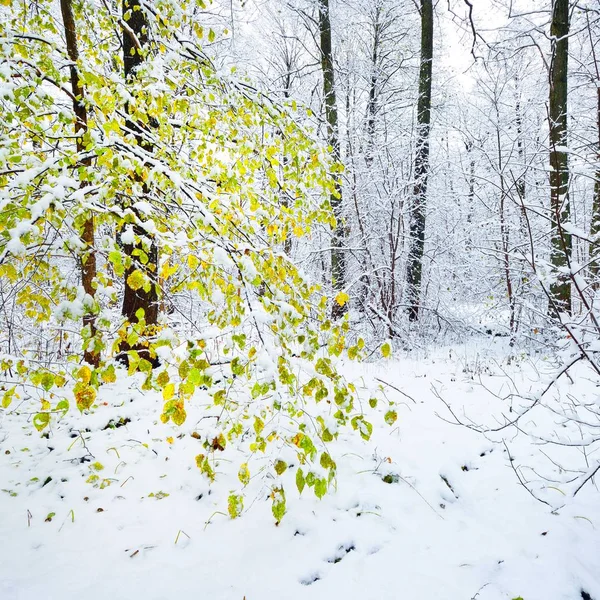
point(395, 388)
point(587, 478)
point(511, 460)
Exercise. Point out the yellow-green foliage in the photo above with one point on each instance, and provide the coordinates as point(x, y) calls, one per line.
point(214, 192)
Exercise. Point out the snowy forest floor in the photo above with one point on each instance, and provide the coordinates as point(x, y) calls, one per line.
point(424, 510)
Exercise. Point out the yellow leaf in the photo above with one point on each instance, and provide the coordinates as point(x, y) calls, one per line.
point(342, 298)
point(168, 391)
point(170, 440)
point(162, 379)
point(84, 374)
point(85, 397)
point(386, 350)
point(244, 473)
point(193, 261)
point(109, 375)
point(136, 280)
point(167, 270)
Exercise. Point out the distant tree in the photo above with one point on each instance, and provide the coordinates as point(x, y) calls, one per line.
point(560, 290)
point(338, 260)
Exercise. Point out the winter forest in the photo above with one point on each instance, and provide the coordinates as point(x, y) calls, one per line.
point(300, 299)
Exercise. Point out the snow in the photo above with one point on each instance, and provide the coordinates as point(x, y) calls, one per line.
point(128, 236)
point(453, 523)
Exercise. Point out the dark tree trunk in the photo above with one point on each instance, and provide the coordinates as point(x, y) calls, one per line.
point(520, 183)
point(560, 291)
point(595, 222)
point(88, 259)
point(287, 89)
point(417, 217)
point(372, 102)
point(134, 41)
point(338, 262)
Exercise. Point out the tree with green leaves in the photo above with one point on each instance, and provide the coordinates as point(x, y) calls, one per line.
point(122, 153)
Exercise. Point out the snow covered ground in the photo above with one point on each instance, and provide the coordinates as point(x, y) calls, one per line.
point(424, 510)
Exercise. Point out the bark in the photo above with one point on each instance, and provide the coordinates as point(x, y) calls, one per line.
point(469, 145)
point(595, 221)
point(88, 258)
point(338, 261)
point(521, 189)
point(560, 291)
point(287, 89)
point(134, 42)
point(595, 225)
point(372, 102)
point(504, 231)
point(417, 221)
point(520, 183)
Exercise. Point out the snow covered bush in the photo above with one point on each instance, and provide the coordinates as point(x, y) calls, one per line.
point(152, 178)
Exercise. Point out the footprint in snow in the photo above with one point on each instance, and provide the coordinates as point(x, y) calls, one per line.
point(341, 552)
point(447, 497)
point(311, 579)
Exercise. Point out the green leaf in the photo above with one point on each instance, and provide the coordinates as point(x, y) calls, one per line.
point(390, 417)
point(7, 398)
point(278, 506)
point(47, 381)
point(195, 376)
point(280, 467)
point(386, 350)
point(300, 481)
point(364, 427)
point(41, 421)
point(326, 461)
point(320, 488)
point(259, 425)
point(235, 505)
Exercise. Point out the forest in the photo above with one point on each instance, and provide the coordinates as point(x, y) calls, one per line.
point(300, 299)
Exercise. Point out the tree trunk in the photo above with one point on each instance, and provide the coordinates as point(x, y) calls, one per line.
point(134, 41)
point(560, 291)
point(504, 229)
point(338, 261)
point(372, 102)
point(595, 221)
point(287, 90)
point(88, 258)
point(417, 218)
